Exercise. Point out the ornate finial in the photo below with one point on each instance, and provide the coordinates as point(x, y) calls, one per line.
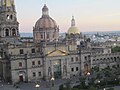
point(72, 21)
point(72, 17)
point(45, 11)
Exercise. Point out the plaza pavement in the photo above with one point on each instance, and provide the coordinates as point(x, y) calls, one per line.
point(44, 85)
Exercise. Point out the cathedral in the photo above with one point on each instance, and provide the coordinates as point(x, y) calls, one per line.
point(46, 55)
point(42, 58)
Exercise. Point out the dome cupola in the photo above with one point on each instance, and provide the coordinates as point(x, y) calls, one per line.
point(45, 21)
point(45, 11)
point(45, 28)
point(73, 29)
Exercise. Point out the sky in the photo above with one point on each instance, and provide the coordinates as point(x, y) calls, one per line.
point(90, 15)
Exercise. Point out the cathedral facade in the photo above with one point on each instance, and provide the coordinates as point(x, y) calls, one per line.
point(43, 58)
point(46, 55)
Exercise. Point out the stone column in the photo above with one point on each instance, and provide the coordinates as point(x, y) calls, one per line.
point(4, 70)
point(68, 68)
point(62, 64)
point(45, 68)
point(3, 33)
point(52, 68)
point(10, 32)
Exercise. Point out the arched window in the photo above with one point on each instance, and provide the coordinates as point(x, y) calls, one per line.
point(6, 32)
point(13, 32)
point(11, 16)
point(41, 36)
point(48, 36)
point(8, 17)
point(114, 58)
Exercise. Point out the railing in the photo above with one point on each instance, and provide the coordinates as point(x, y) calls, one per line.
point(22, 56)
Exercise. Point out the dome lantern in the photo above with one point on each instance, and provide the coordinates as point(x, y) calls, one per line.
point(72, 21)
point(45, 11)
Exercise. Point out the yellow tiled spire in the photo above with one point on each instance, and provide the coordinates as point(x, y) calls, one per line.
point(3, 2)
point(0, 2)
point(8, 3)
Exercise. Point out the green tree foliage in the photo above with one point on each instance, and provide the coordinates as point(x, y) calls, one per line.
point(115, 49)
point(92, 88)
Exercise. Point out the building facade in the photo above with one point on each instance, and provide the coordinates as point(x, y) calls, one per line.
point(45, 55)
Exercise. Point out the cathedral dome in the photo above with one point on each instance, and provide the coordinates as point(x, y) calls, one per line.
point(45, 21)
point(73, 29)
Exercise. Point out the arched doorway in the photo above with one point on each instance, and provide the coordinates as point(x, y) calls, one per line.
point(57, 68)
point(21, 76)
point(86, 69)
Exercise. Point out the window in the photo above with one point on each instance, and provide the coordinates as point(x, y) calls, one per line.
point(118, 66)
point(11, 17)
point(41, 36)
point(72, 69)
point(21, 51)
point(39, 62)
point(53, 35)
point(13, 32)
point(34, 74)
point(33, 62)
point(20, 64)
point(8, 17)
point(39, 73)
point(72, 59)
point(33, 50)
point(7, 32)
point(85, 58)
point(76, 68)
point(88, 57)
point(47, 36)
point(76, 58)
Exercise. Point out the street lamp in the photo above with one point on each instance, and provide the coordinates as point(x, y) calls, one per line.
point(98, 84)
point(87, 79)
point(52, 83)
point(98, 81)
point(37, 86)
point(88, 73)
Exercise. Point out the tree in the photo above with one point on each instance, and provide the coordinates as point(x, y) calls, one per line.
point(61, 87)
point(92, 88)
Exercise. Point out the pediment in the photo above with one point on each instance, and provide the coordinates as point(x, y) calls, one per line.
point(57, 53)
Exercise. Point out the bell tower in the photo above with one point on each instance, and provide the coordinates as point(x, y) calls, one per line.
point(9, 26)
